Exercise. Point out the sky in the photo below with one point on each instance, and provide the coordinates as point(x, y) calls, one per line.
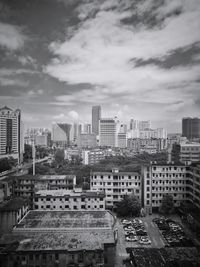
point(136, 58)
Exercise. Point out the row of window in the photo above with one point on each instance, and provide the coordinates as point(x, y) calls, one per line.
point(68, 207)
point(67, 199)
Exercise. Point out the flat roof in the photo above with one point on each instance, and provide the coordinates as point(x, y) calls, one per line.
point(45, 177)
point(40, 220)
point(70, 241)
point(61, 230)
point(190, 144)
point(67, 193)
point(164, 257)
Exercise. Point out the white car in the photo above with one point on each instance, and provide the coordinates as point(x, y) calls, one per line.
point(131, 238)
point(145, 240)
point(125, 222)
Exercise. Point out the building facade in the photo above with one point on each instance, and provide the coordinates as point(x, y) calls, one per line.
point(11, 133)
point(116, 185)
point(191, 128)
point(108, 131)
point(91, 157)
point(189, 152)
point(61, 134)
point(87, 140)
point(96, 116)
point(161, 179)
point(69, 200)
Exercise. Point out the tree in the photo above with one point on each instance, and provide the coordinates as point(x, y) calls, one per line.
point(129, 206)
point(59, 156)
point(27, 152)
point(167, 204)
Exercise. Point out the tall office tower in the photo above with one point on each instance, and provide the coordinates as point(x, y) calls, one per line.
point(134, 124)
point(144, 125)
point(61, 134)
point(191, 128)
point(96, 116)
point(11, 133)
point(108, 130)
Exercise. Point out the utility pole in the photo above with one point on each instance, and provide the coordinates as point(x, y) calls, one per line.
point(33, 155)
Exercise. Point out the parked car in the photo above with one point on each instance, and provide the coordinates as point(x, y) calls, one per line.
point(145, 240)
point(131, 238)
point(126, 222)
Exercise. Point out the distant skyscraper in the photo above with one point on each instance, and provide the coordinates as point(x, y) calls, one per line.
point(61, 134)
point(11, 133)
point(108, 130)
point(191, 127)
point(134, 124)
point(143, 125)
point(96, 116)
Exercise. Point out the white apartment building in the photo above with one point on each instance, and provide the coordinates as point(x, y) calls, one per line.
point(189, 152)
point(162, 179)
point(11, 133)
point(116, 185)
point(108, 129)
point(69, 200)
point(159, 133)
point(91, 157)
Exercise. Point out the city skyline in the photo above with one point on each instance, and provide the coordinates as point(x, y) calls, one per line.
point(136, 59)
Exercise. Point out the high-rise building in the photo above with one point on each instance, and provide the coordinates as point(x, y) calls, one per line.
point(96, 116)
point(134, 124)
point(191, 127)
point(11, 133)
point(61, 134)
point(143, 125)
point(108, 130)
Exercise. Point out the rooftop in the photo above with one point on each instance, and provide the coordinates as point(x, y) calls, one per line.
point(58, 230)
point(173, 257)
point(65, 193)
point(71, 241)
point(13, 204)
point(45, 177)
point(48, 220)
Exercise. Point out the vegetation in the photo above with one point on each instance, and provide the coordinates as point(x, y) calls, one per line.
point(61, 166)
point(129, 206)
point(7, 164)
point(167, 205)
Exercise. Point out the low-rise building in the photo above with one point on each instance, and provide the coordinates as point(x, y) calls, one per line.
point(61, 239)
point(69, 200)
point(116, 185)
point(91, 157)
point(11, 212)
point(189, 152)
point(161, 179)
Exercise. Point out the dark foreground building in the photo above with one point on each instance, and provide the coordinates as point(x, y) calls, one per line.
point(60, 239)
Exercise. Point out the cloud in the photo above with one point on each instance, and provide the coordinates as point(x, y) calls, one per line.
point(71, 116)
point(11, 36)
point(100, 50)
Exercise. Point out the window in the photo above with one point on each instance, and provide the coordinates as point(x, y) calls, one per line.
point(67, 206)
point(148, 182)
point(82, 206)
point(75, 207)
point(101, 206)
point(48, 206)
point(36, 199)
point(48, 199)
point(74, 199)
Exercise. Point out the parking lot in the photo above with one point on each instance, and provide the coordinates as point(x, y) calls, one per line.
point(149, 229)
point(141, 232)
